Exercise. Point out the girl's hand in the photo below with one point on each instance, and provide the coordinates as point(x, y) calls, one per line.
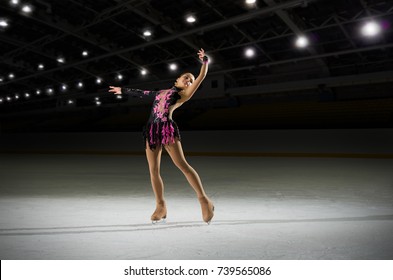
point(201, 54)
point(115, 90)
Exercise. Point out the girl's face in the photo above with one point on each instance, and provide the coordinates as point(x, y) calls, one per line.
point(185, 80)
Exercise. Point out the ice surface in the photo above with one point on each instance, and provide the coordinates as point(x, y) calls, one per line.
point(98, 207)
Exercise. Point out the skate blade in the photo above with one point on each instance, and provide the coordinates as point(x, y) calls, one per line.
point(162, 221)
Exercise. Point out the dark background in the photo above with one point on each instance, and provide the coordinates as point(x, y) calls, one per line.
point(342, 80)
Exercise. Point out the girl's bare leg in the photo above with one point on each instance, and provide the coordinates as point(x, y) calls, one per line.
point(175, 151)
point(154, 161)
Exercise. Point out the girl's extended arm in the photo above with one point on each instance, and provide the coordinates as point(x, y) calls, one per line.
point(189, 92)
point(131, 91)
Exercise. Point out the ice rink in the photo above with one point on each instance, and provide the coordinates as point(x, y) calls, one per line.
point(79, 206)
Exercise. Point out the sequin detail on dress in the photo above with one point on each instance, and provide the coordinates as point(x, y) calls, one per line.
point(160, 129)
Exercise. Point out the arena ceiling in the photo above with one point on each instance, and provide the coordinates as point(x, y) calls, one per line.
point(107, 38)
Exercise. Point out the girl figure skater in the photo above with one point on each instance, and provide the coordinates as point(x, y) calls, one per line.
point(161, 131)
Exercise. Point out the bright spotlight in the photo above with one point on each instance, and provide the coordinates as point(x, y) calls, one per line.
point(371, 29)
point(27, 95)
point(143, 72)
point(250, 2)
point(302, 42)
point(41, 66)
point(64, 87)
point(3, 23)
point(249, 52)
point(27, 9)
point(98, 81)
point(80, 85)
point(38, 92)
point(173, 66)
point(120, 77)
point(60, 59)
point(147, 33)
point(85, 53)
point(14, 2)
point(11, 76)
point(190, 19)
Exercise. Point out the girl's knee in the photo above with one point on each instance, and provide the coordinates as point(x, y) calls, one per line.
point(184, 167)
point(154, 171)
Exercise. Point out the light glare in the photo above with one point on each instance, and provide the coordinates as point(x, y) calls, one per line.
point(302, 42)
point(250, 52)
point(3, 23)
point(27, 9)
point(190, 19)
point(371, 29)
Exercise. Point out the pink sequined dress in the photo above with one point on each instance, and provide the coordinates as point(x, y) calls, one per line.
point(160, 128)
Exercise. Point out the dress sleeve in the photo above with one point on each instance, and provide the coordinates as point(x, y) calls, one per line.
point(138, 92)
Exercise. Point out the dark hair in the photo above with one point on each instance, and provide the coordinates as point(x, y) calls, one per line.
point(187, 73)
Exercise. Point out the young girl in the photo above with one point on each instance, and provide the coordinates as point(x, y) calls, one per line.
point(161, 131)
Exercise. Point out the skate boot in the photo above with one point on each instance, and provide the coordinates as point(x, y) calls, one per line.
point(207, 209)
point(159, 214)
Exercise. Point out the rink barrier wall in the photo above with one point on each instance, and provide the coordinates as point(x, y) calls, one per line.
point(346, 143)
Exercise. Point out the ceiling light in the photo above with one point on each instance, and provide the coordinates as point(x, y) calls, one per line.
point(301, 42)
point(98, 103)
point(98, 81)
point(119, 77)
point(147, 33)
point(250, 2)
point(64, 87)
point(118, 96)
point(190, 19)
point(11, 76)
point(60, 59)
point(85, 53)
point(27, 9)
point(27, 95)
point(70, 102)
point(3, 23)
point(49, 91)
point(172, 66)
point(1, 79)
point(16, 96)
point(249, 52)
point(9, 98)
point(38, 92)
point(371, 29)
point(80, 85)
point(1, 100)
point(40, 66)
point(143, 72)
point(14, 2)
